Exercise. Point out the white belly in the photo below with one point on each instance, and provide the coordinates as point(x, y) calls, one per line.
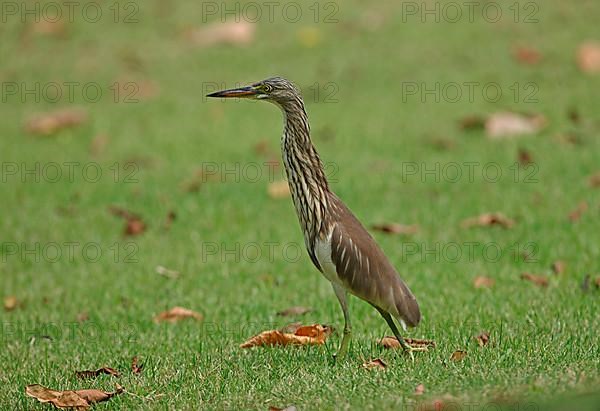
point(323, 254)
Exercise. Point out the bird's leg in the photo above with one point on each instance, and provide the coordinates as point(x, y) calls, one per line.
point(342, 296)
point(407, 348)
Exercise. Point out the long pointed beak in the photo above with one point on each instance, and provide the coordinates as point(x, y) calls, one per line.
point(243, 92)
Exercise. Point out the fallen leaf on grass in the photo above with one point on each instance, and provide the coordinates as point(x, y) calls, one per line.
point(505, 124)
point(279, 189)
point(176, 314)
point(458, 355)
point(446, 403)
point(136, 368)
point(588, 57)
point(10, 303)
point(82, 317)
point(527, 55)
point(134, 225)
point(472, 122)
point(394, 228)
point(233, 33)
point(488, 219)
point(558, 267)
point(193, 184)
point(290, 328)
point(263, 148)
point(80, 399)
point(585, 284)
point(442, 143)
point(171, 216)
point(50, 27)
point(95, 373)
point(594, 180)
point(49, 123)
point(392, 342)
point(483, 282)
point(292, 311)
point(306, 335)
point(482, 339)
point(420, 389)
point(166, 272)
point(377, 363)
point(524, 157)
point(288, 408)
point(538, 280)
point(576, 214)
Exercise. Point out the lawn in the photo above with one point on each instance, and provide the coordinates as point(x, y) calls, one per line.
point(380, 87)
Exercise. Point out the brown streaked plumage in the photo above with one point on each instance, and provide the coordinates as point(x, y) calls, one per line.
point(338, 245)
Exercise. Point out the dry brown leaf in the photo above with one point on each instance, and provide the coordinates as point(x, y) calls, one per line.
point(136, 368)
point(458, 355)
point(524, 157)
point(488, 219)
point(291, 328)
point(279, 189)
point(306, 335)
point(193, 184)
point(505, 124)
point(288, 408)
point(176, 314)
point(585, 284)
point(588, 57)
point(293, 311)
point(394, 228)
point(50, 27)
point(134, 225)
point(472, 122)
point(79, 399)
point(95, 373)
point(483, 339)
point(442, 143)
point(82, 317)
point(594, 180)
point(377, 363)
point(263, 148)
point(576, 214)
point(597, 282)
point(233, 33)
point(171, 216)
point(558, 267)
point(10, 303)
point(538, 280)
point(52, 122)
point(392, 342)
point(483, 282)
point(527, 55)
point(420, 389)
point(166, 272)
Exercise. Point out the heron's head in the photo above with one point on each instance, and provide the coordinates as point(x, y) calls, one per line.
point(275, 89)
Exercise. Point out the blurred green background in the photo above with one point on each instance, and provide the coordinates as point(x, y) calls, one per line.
point(379, 82)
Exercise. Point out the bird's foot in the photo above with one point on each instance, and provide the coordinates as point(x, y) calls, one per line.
point(412, 349)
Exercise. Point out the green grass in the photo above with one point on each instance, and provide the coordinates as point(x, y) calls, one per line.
point(544, 342)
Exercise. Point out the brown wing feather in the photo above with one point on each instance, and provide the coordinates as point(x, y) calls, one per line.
point(366, 271)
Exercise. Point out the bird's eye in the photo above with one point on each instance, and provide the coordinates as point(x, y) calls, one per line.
point(267, 88)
